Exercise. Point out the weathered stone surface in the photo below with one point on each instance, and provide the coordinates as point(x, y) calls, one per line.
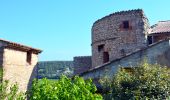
point(16, 68)
point(82, 64)
point(155, 53)
point(118, 41)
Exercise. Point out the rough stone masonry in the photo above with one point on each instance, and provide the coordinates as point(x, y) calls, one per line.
point(125, 38)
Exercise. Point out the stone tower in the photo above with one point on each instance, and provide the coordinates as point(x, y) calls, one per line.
point(18, 63)
point(117, 35)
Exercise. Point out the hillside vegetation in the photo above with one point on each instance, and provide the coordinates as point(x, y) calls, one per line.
point(54, 69)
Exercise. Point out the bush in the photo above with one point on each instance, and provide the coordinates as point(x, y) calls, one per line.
point(145, 81)
point(64, 89)
point(10, 92)
point(1, 74)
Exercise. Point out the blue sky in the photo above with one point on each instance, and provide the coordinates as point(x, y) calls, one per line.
point(62, 28)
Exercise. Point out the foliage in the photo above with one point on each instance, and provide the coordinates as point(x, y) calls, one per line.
point(145, 81)
point(1, 74)
point(64, 89)
point(10, 93)
point(54, 69)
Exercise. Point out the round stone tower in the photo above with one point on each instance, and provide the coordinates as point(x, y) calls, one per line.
point(117, 35)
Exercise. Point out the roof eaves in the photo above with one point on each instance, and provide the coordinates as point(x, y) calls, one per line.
point(20, 46)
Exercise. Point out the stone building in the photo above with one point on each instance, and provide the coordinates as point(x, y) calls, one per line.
point(124, 39)
point(155, 53)
point(159, 31)
point(18, 63)
point(117, 35)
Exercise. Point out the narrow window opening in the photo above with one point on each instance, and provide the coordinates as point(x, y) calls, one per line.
point(105, 57)
point(123, 52)
point(126, 24)
point(100, 47)
point(29, 57)
point(150, 40)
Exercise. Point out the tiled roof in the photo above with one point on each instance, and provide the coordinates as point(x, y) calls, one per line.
point(20, 46)
point(161, 27)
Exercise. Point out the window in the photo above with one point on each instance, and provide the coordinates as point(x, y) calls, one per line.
point(100, 47)
point(123, 52)
point(126, 24)
point(105, 57)
point(29, 56)
point(150, 40)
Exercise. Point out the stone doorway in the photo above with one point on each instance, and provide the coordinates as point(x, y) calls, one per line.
point(105, 57)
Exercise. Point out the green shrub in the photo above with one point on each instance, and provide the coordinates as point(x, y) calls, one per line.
point(145, 81)
point(1, 74)
point(10, 92)
point(64, 89)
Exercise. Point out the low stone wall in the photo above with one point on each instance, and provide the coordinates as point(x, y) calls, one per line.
point(155, 53)
point(82, 64)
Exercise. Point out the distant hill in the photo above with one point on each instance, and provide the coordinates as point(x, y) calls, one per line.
point(54, 69)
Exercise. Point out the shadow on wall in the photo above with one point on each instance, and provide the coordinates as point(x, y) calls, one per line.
point(33, 76)
point(1, 74)
point(164, 58)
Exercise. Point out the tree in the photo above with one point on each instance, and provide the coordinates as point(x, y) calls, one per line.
point(144, 81)
point(1, 74)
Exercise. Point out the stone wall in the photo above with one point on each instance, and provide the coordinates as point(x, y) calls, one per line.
point(16, 68)
point(118, 41)
point(155, 53)
point(82, 64)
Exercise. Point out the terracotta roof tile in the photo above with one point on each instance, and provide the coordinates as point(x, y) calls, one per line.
point(20, 46)
point(161, 27)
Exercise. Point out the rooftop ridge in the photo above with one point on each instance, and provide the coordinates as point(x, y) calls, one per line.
point(81, 56)
point(164, 21)
point(120, 13)
point(56, 61)
point(160, 27)
point(19, 45)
